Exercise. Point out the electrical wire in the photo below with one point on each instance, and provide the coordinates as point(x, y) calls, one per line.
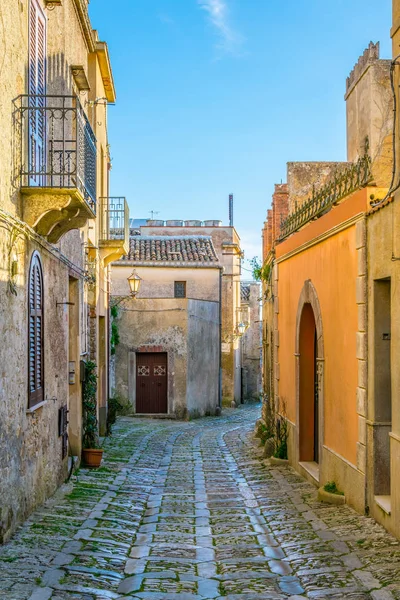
point(396, 187)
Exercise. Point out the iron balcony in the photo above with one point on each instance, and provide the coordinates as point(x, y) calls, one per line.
point(57, 145)
point(55, 157)
point(114, 228)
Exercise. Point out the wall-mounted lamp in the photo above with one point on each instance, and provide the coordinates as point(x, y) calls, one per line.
point(134, 283)
point(241, 328)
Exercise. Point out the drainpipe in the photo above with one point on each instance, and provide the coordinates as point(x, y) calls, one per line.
point(221, 269)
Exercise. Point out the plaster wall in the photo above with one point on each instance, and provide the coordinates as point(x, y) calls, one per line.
point(227, 244)
point(188, 331)
point(334, 244)
point(158, 281)
point(203, 357)
point(251, 346)
point(338, 257)
point(383, 242)
point(158, 325)
point(31, 467)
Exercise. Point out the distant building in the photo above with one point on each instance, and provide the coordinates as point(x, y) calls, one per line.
point(226, 242)
point(167, 361)
point(251, 340)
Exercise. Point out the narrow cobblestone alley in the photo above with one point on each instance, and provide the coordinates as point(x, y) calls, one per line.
point(189, 511)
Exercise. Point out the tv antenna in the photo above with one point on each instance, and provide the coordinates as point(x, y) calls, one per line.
point(153, 213)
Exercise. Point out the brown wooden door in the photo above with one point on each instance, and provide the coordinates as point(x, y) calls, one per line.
point(151, 383)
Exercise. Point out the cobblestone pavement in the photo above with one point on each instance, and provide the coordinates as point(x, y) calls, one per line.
point(187, 511)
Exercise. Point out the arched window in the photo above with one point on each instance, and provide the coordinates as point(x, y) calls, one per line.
point(35, 333)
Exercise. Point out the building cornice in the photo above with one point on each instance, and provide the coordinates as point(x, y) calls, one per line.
point(167, 263)
point(323, 236)
point(103, 57)
point(82, 12)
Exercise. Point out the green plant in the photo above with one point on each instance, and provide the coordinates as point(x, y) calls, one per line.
point(281, 435)
point(114, 338)
point(89, 405)
point(114, 405)
point(260, 272)
point(331, 487)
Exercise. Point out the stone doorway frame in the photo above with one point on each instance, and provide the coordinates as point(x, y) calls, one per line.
point(309, 295)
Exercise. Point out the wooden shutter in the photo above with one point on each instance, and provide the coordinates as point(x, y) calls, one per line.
point(37, 91)
point(35, 334)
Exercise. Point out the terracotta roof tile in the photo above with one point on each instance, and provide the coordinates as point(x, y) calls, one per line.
point(176, 249)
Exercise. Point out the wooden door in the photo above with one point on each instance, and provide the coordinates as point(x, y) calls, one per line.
point(151, 383)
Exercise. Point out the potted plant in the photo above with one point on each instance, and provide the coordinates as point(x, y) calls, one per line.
point(91, 452)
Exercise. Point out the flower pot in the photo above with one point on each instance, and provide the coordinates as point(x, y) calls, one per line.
point(92, 457)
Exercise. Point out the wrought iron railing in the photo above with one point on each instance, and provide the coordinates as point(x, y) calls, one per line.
point(57, 144)
point(114, 219)
point(344, 182)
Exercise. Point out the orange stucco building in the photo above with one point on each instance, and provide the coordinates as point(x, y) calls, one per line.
point(315, 334)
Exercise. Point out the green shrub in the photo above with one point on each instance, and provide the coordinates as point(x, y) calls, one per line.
point(89, 405)
point(331, 487)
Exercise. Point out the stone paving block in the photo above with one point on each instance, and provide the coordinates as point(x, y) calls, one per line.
point(44, 593)
point(209, 519)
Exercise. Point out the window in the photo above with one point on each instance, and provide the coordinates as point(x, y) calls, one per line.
point(180, 289)
point(37, 91)
point(35, 333)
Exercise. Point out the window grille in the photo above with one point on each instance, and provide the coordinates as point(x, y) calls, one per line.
point(180, 289)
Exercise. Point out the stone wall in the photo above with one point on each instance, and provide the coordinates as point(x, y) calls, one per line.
point(203, 358)
point(31, 466)
point(188, 331)
point(227, 245)
point(251, 345)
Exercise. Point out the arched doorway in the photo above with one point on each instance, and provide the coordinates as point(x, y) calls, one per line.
point(310, 361)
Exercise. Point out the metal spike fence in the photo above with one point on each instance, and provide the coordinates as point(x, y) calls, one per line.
point(344, 182)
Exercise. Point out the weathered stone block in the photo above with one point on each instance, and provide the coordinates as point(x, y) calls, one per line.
point(361, 234)
point(363, 374)
point(362, 430)
point(362, 402)
point(362, 261)
point(361, 457)
point(277, 371)
point(361, 290)
point(361, 345)
point(362, 317)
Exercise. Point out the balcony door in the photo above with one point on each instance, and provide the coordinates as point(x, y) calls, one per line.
point(37, 92)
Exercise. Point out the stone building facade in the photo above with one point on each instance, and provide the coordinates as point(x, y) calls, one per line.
point(54, 241)
point(167, 361)
point(316, 297)
point(251, 340)
point(227, 245)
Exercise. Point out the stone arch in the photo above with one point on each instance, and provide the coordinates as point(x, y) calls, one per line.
point(309, 354)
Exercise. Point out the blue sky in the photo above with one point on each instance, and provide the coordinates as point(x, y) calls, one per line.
point(215, 96)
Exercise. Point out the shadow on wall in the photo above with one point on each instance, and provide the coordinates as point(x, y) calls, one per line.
point(30, 139)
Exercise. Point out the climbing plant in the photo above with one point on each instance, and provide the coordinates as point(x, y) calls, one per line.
point(89, 405)
point(114, 338)
point(260, 272)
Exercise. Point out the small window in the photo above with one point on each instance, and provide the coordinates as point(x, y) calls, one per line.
point(35, 333)
point(180, 289)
